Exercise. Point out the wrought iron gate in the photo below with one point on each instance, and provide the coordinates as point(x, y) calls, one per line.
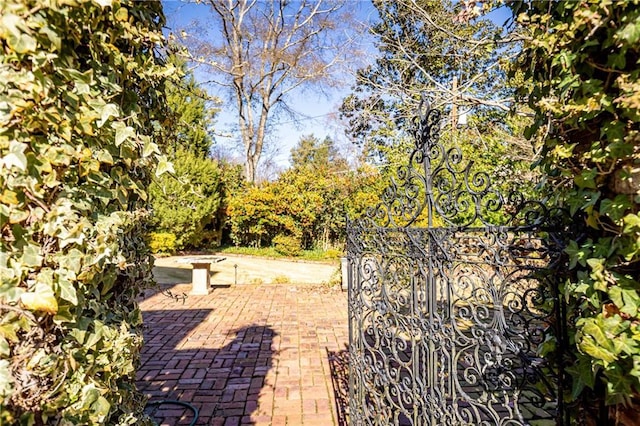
point(460, 323)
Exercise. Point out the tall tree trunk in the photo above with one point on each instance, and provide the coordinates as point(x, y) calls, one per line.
point(267, 50)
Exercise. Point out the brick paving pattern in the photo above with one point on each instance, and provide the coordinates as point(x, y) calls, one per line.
point(250, 354)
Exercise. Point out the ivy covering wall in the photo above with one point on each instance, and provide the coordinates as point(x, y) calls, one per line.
point(582, 62)
point(80, 97)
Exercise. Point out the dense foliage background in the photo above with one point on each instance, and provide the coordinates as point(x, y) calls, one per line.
point(81, 100)
point(186, 203)
point(306, 207)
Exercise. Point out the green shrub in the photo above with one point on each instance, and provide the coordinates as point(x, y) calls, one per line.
point(162, 242)
point(80, 96)
point(187, 203)
point(287, 245)
point(251, 251)
point(334, 254)
point(252, 217)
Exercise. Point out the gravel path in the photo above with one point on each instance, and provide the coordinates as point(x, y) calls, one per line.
point(250, 270)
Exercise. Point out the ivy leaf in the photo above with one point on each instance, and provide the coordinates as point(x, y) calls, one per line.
point(9, 331)
point(625, 344)
point(164, 166)
point(564, 150)
point(41, 299)
point(627, 300)
point(4, 347)
point(631, 223)
point(89, 395)
point(615, 208)
point(586, 179)
point(598, 273)
point(64, 314)
point(122, 14)
point(577, 254)
point(8, 197)
point(15, 157)
point(67, 291)
point(73, 260)
point(6, 379)
point(582, 374)
point(22, 43)
point(53, 37)
point(588, 346)
point(150, 148)
point(31, 257)
point(108, 111)
point(12, 24)
point(96, 336)
point(614, 131)
point(123, 133)
point(620, 149)
point(631, 31)
point(101, 408)
point(104, 157)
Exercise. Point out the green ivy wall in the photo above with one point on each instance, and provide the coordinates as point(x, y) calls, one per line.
point(80, 94)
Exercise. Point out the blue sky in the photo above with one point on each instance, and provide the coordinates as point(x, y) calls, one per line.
point(318, 112)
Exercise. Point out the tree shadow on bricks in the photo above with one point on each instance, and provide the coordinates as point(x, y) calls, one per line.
point(339, 366)
point(219, 377)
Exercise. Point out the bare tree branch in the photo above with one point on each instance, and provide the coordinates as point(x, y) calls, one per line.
point(267, 50)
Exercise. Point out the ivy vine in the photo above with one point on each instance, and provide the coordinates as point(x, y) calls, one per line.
point(582, 64)
point(80, 96)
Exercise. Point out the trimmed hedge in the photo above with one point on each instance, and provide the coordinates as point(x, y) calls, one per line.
point(162, 242)
point(287, 245)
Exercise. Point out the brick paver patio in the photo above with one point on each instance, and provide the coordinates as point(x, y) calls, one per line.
point(251, 354)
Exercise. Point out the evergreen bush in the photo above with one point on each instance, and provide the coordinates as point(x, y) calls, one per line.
point(187, 203)
point(287, 245)
point(162, 242)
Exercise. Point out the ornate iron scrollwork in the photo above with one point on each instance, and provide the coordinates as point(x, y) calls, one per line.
point(453, 324)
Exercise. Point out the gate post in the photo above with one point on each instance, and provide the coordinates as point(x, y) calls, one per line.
point(344, 271)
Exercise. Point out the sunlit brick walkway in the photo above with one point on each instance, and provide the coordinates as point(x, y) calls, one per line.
point(264, 355)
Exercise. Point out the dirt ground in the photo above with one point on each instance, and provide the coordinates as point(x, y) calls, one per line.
point(240, 270)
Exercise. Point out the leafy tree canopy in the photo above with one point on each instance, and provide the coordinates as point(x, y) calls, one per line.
point(311, 152)
point(423, 49)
